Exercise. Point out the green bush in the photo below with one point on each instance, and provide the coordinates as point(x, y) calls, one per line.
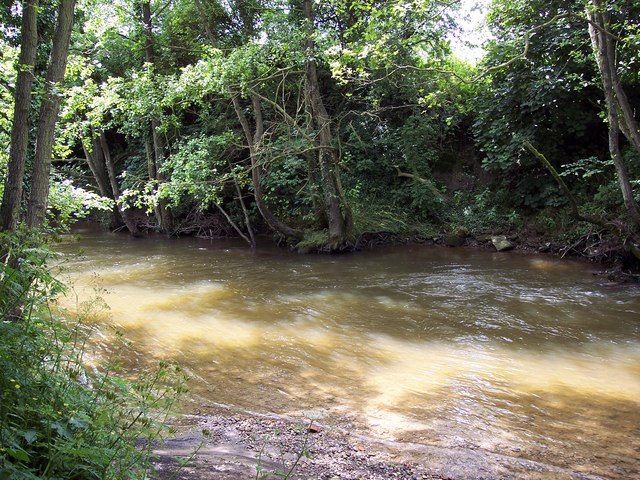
point(482, 213)
point(58, 418)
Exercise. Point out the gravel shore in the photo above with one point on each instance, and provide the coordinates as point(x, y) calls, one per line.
point(232, 444)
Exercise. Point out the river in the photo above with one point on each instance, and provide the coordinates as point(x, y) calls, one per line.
point(523, 356)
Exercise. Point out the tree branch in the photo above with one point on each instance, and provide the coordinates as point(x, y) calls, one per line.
point(428, 183)
point(628, 239)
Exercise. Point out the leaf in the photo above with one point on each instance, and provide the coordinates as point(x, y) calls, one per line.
point(18, 454)
point(79, 423)
point(29, 435)
point(62, 429)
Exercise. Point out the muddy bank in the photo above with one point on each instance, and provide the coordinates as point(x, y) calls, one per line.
point(231, 444)
point(609, 257)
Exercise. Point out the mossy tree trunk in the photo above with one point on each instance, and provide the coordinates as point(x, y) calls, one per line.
point(620, 116)
point(336, 206)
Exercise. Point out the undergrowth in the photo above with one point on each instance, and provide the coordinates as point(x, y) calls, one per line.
point(60, 419)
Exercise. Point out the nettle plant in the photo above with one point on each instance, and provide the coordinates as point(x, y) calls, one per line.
point(58, 417)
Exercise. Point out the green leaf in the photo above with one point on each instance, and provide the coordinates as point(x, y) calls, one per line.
point(18, 454)
point(62, 429)
point(30, 436)
point(79, 423)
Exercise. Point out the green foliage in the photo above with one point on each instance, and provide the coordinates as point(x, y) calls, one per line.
point(196, 170)
point(586, 168)
point(313, 241)
point(546, 98)
point(286, 186)
point(483, 212)
point(397, 99)
point(8, 57)
point(58, 418)
point(303, 452)
point(25, 280)
point(68, 203)
point(378, 216)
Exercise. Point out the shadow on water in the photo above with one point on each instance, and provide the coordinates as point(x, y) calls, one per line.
point(522, 356)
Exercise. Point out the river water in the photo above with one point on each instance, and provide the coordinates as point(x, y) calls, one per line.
point(519, 356)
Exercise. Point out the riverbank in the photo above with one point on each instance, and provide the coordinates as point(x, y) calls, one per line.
point(235, 444)
point(232, 444)
point(604, 251)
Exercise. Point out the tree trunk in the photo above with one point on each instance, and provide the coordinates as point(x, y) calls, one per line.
point(95, 161)
point(12, 196)
point(247, 220)
point(336, 206)
point(39, 194)
point(205, 23)
point(127, 217)
point(616, 104)
point(252, 139)
point(163, 215)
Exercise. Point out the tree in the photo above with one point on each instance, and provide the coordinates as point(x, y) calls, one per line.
point(50, 102)
point(620, 114)
point(336, 205)
point(12, 196)
point(544, 97)
point(156, 149)
point(537, 32)
point(39, 193)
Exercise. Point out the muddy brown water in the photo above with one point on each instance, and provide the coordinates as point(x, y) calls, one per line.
point(521, 356)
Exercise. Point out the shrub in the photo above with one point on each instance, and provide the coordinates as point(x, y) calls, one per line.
point(58, 418)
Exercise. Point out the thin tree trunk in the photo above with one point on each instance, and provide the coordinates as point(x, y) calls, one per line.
point(247, 220)
point(95, 161)
point(316, 198)
point(234, 225)
point(151, 164)
point(205, 23)
point(39, 194)
point(252, 139)
point(12, 196)
point(338, 223)
point(127, 217)
point(165, 218)
point(163, 215)
point(604, 51)
point(625, 237)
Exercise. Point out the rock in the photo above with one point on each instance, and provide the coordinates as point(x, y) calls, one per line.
point(502, 244)
point(544, 248)
point(313, 428)
point(483, 238)
point(456, 238)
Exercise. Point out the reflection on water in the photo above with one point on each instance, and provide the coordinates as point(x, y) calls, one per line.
point(516, 355)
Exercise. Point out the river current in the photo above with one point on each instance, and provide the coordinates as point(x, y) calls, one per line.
point(522, 356)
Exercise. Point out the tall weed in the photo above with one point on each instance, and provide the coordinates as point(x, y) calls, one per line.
point(60, 419)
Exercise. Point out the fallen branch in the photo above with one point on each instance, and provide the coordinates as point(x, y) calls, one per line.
point(428, 183)
point(627, 239)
